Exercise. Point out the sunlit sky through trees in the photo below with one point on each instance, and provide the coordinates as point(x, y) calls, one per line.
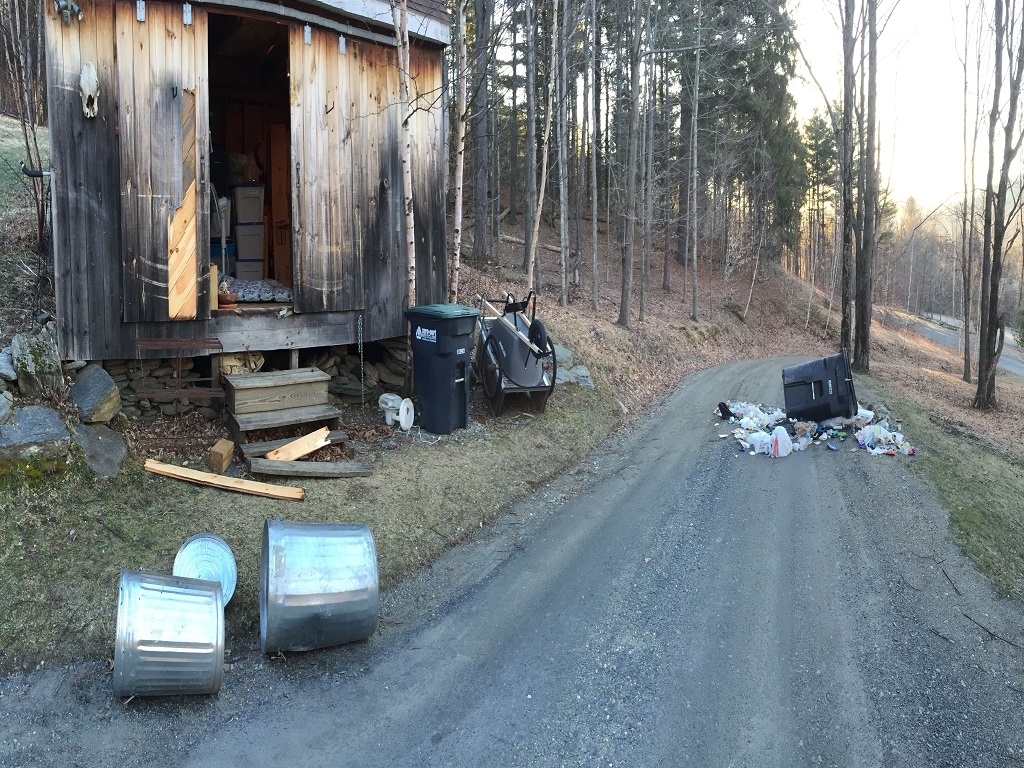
point(920, 90)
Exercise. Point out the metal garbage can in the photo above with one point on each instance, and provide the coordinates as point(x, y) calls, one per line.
point(170, 635)
point(820, 389)
point(441, 337)
point(318, 585)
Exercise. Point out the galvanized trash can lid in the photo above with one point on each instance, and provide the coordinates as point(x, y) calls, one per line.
point(207, 556)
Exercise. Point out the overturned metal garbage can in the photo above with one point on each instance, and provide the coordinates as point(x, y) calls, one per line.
point(170, 635)
point(318, 585)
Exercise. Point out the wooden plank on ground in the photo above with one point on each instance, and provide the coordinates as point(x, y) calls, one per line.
point(310, 468)
point(226, 483)
point(249, 450)
point(302, 446)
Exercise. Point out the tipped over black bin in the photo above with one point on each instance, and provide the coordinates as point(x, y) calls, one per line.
point(820, 389)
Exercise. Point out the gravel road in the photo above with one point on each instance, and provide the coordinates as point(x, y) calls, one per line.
point(668, 602)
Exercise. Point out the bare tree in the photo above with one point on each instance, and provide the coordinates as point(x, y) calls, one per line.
point(625, 302)
point(846, 169)
point(594, 146)
point(460, 149)
point(21, 35)
point(563, 156)
point(531, 258)
point(483, 14)
point(999, 209)
point(869, 232)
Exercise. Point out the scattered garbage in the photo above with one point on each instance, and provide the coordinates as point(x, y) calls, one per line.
point(760, 429)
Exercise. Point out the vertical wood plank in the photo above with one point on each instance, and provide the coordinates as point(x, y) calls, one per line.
point(200, 21)
point(327, 271)
point(280, 195)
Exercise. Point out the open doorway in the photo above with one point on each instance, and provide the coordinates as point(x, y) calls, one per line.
point(250, 156)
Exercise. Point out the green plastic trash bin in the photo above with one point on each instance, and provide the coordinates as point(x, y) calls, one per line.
point(441, 336)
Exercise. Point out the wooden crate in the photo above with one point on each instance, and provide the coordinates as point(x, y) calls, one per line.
point(275, 390)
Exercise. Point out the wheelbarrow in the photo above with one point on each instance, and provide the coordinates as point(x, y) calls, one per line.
point(512, 352)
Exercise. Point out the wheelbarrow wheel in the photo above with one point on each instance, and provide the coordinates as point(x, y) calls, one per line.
point(540, 398)
point(491, 374)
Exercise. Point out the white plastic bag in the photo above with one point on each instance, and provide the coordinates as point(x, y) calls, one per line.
point(760, 442)
point(782, 443)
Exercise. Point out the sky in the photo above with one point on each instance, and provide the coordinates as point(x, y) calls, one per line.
point(920, 89)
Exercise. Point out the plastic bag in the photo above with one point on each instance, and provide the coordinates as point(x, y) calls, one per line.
point(782, 443)
point(760, 442)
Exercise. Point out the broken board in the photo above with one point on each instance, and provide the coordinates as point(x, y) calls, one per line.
point(249, 450)
point(301, 446)
point(226, 483)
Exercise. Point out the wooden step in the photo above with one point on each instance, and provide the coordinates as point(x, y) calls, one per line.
point(310, 468)
point(239, 423)
point(274, 390)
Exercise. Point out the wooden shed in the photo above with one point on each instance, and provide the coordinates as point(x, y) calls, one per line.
point(159, 109)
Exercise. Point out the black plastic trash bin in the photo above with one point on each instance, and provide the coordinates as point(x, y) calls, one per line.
point(442, 337)
point(820, 389)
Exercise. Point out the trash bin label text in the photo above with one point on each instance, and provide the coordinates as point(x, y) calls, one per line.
point(426, 334)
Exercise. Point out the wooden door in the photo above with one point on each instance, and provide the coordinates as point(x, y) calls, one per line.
point(327, 256)
point(163, 125)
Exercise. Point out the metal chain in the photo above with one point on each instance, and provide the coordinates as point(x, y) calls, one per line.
point(362, 370)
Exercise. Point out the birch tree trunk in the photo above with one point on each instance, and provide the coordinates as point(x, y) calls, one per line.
point(846, 171)
point(532, 248)
point(531, 134)
point(460, 151)
point(400, 16)
point(563, 160)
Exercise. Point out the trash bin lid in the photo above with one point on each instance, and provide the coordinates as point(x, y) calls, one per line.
point(441, 311)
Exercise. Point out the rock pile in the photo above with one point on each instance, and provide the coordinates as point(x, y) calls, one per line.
point(354, 381)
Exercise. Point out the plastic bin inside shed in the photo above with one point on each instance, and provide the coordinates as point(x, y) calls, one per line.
point(820, 389)
point(441, 337)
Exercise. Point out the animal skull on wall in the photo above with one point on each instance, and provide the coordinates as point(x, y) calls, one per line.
point(89, 87)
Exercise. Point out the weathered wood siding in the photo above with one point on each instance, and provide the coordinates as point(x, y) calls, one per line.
point(429, 172)
point(131, 200)
point(84, 184)
point(160, 62)
point(326, 257)
point(377, 179)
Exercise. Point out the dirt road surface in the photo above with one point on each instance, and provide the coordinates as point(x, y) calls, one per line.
point(669, 602)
